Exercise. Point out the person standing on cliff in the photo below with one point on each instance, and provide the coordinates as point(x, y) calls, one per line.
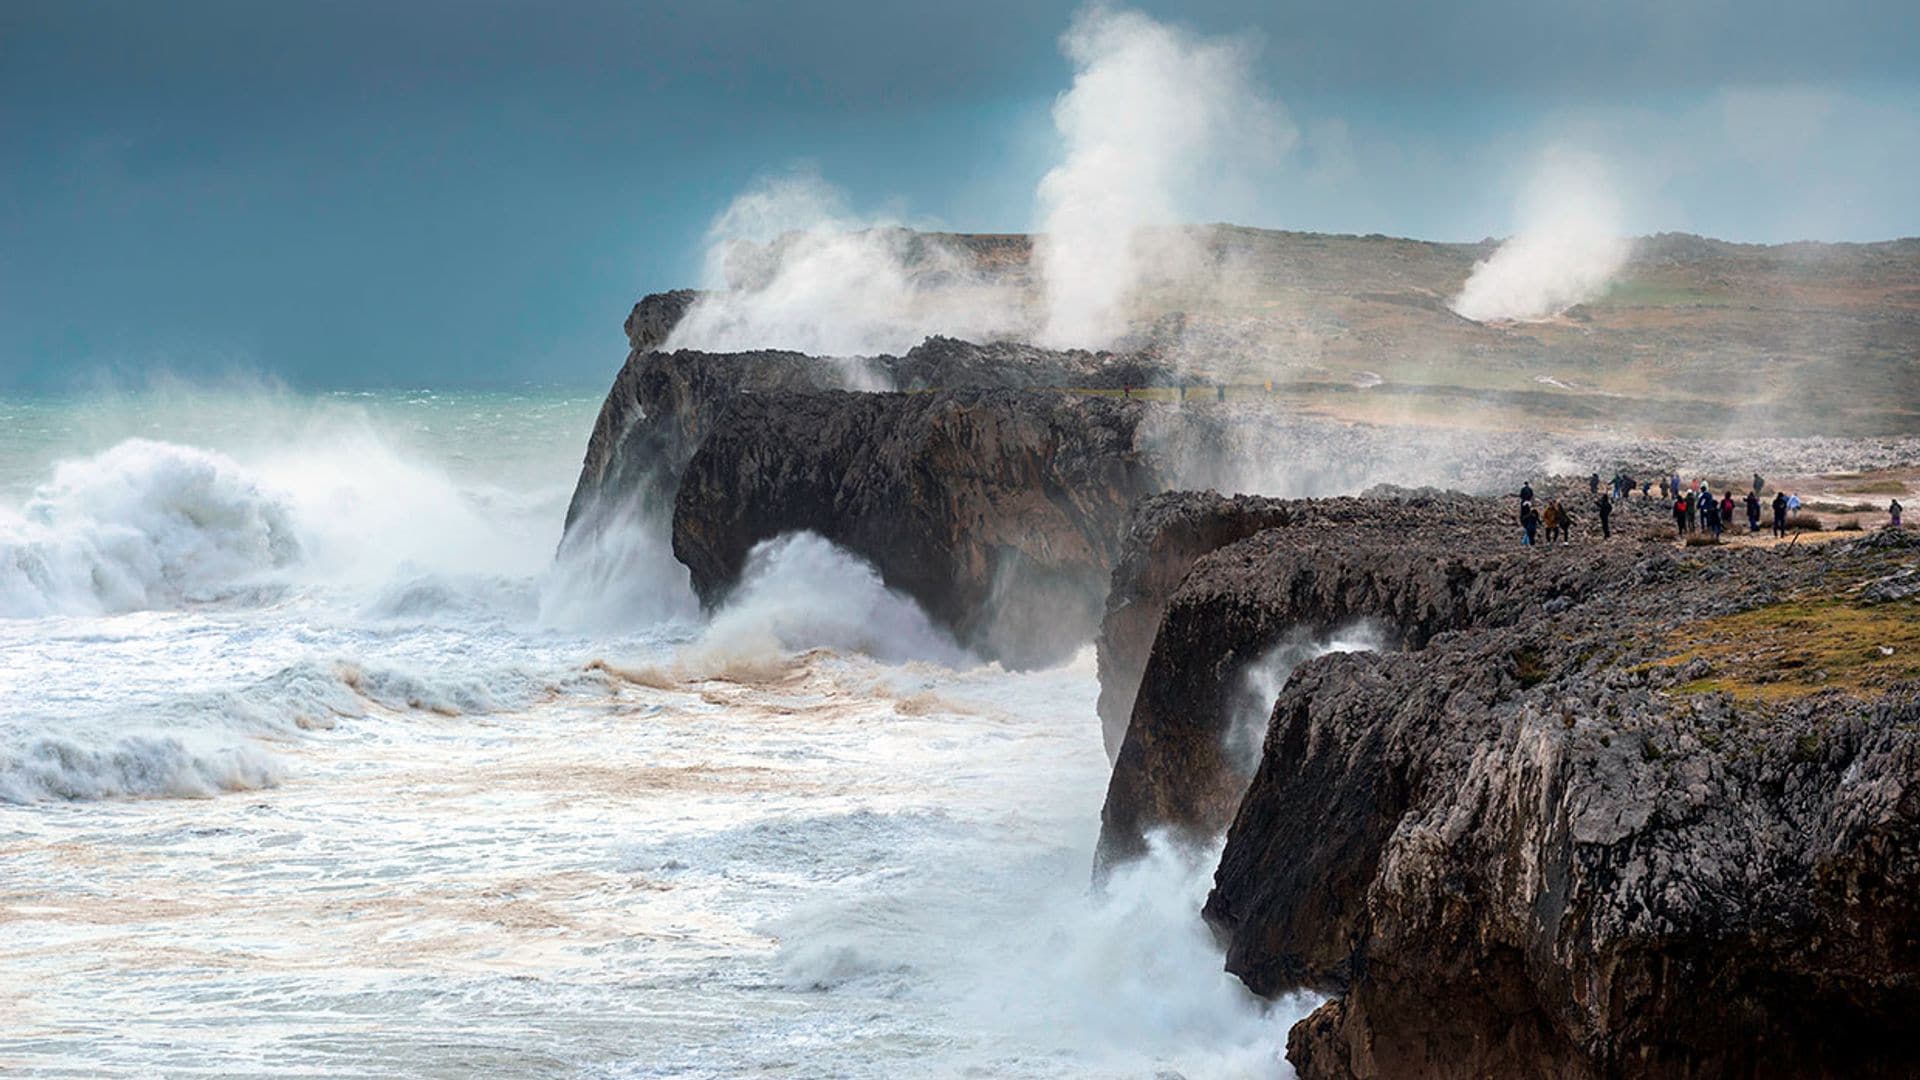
point(1753, 511)
point(1779, 514)
point(1593, 484)
point(1529, 523)
point(1726, 511)
point(1526, 491)
point(1604, 507)
point(1893, 512)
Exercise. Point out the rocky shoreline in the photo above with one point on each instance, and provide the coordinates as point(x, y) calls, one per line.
point(1556, 792)
point(1607, 853)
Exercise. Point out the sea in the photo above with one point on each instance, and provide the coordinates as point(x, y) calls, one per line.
point(317, 761)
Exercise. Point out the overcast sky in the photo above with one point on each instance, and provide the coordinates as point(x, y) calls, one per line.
point(431, 193)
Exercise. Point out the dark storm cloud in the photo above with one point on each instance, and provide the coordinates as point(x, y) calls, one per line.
point(343, 192)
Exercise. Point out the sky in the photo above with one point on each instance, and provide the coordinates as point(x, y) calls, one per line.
point(436, 193)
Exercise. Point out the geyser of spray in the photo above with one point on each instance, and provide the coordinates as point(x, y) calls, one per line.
point(1155, 116)
point(1568, 245)
point(1264, 679)
point(789, 266)
point(801, 591)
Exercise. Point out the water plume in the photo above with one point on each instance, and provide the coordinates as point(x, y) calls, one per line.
point(1569, 245)
point(801, 592)
point(1155, 116)
point(790, 266)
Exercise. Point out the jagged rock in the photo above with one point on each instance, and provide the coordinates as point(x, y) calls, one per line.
point(652, 320)
point(1528, 842)
point(998, 511)
point(1416, 568)
point(660, 409)
point(943, 363)
point(1166, 534)
point(661, 406)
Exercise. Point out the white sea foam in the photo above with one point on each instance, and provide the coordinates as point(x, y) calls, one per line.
point(865, 867)
point(144, 524)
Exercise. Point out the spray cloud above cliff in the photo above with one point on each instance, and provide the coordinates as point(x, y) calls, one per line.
point(1158, 126)
point(1568, 247)
point(1153, 115)
point(790, 266)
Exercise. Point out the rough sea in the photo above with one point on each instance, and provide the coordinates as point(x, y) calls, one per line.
point(315, 762)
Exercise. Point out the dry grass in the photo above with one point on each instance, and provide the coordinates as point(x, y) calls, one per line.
point(1876, 487)
point(1804, 523)
point(1797, 647)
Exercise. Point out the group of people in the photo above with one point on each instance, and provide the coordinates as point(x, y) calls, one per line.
point(1555, 519)
point(1696, 508)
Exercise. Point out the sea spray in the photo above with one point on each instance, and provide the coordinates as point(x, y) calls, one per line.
point(800, 591)
point(1158, 122)
point(1569, 246)
point(789, 266)
point(1261, 683)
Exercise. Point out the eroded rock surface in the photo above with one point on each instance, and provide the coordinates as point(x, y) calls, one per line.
point(1414, 567)
point(1572, 825)
point(999, 511)
point(1167, 533)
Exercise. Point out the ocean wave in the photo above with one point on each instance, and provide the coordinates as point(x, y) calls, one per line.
point(54, 768)
point(801, 592)
point(225, 740)
point(142, 525)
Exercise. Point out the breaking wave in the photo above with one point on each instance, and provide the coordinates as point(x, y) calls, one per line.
point(801, 591)
point(228, 740)
point(142, 525)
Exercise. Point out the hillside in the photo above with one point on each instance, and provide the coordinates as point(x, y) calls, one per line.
point(1695, 337)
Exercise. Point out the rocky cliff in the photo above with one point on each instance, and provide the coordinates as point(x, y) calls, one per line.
point(996, 502)
point(1166, 534)
point(999, 511)
point(1625, 809)
point(1414, 568)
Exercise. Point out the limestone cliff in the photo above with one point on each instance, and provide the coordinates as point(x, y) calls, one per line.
point(999, 511)
point(1609, 810)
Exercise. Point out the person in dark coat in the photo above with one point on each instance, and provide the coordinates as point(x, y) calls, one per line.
point(1526, 492)
point(1604, 507)
point(1753, 511)
point(1779, 513)
point(1529, 523)
point(1593, 484)
point(1726, 511)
